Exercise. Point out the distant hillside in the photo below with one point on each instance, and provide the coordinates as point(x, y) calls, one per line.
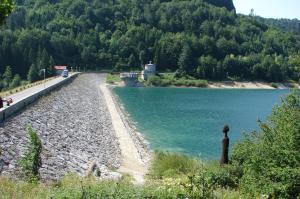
point(191, 37)
point(222, 3)
point(290, 25)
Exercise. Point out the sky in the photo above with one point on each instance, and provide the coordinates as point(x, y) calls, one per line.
point(269, 8)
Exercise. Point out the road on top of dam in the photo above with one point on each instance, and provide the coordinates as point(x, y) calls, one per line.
point(74, 126)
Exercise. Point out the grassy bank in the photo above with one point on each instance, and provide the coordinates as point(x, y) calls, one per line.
point(169, 79)
point(163, 80)
point(171, 176)
point(113, 78)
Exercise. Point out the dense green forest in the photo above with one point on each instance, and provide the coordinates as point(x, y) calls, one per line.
point(204, 39)
point(289, 25)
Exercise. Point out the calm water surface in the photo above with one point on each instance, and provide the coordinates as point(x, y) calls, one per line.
point(190, 120)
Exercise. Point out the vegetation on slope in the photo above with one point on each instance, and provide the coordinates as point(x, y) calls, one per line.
point(6, 6)
point(194, 38)
point(170, 79)
point(30, 162)
point(288, 25)
point(75, 187)
point(264, 164)
point(113, 78)
point(172, 176)
point(270, 159)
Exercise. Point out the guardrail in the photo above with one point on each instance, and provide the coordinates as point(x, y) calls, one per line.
point(16, 106)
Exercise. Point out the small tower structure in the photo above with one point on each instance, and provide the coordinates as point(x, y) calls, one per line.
point(149, 70)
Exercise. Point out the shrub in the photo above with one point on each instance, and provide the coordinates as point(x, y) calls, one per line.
point(270, 159)
point(201, 83)
point(167, 164)
point(154, 81)
point(33, 74)
point(179, 82)
point(171, 176)
point(166, 82)
point(201, 185)
point(224, 176)
point(168, 79)
point(113, 79)
point(15, 82)
point(30, 162)
point(274, 85)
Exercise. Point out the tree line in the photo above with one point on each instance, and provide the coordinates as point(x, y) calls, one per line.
point(204, 39)
point(289, 25)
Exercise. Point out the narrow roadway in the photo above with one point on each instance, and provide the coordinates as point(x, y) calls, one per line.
point(35, 89)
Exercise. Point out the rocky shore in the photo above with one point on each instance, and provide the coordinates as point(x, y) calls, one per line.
point(74, 126)
point(140, 142)
point(135, 153)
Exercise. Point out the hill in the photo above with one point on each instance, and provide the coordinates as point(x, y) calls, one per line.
point(195, 38)
point(289, 25)
point(228, 4)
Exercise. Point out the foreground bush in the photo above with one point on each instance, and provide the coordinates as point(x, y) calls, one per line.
point(30, 162)
point(171, 176)
point(167, 164)
point(270, 159)
point(192, 178)
point(75, 187)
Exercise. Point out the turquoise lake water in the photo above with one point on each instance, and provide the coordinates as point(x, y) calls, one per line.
point(190, 120)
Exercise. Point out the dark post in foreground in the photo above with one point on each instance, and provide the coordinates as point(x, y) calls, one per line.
point(1, 102)
point(225, 146)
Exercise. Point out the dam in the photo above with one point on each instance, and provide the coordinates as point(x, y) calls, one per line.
point(74, 126)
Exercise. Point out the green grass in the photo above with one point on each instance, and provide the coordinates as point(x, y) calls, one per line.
point(274, 85)
point(71, 186)
point(170, 177)
point(113, 78)
point(167, 164)
point(169, 79)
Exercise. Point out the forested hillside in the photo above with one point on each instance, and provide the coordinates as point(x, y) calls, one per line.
point(289, 25)
point(203, 39)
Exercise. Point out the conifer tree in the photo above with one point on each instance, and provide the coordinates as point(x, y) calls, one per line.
point(51, 66)
point(33, 73)
point(7, 76)
point(16, 81)
point(131, 61)
point(185, 60)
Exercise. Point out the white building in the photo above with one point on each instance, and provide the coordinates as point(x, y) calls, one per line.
point(150, 69)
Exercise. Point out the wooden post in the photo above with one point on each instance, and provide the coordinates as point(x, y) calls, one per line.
point(225, 146)
point(1, 102)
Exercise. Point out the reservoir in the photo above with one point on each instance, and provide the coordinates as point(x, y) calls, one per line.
point(190, 120)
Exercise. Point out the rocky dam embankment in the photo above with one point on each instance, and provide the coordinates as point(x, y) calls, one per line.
point(74, 126)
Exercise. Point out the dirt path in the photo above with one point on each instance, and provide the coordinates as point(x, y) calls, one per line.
point(131, 161)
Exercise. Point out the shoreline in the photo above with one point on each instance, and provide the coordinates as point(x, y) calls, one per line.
point(135, 152)
point(223, 85)
point(250, 85)
point(142, 145)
